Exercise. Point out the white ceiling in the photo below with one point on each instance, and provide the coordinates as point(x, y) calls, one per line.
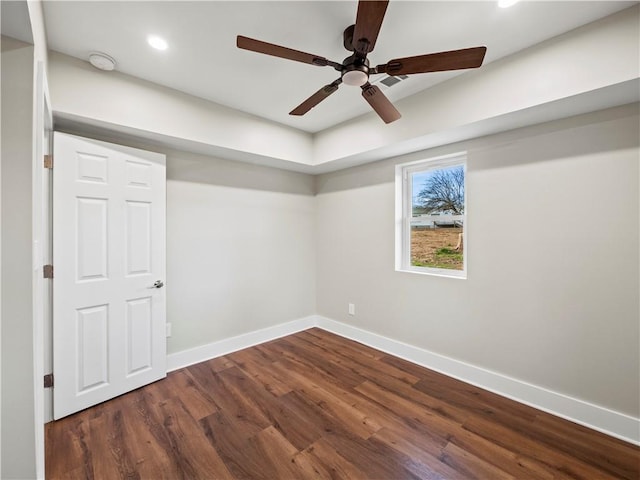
point(202, 58)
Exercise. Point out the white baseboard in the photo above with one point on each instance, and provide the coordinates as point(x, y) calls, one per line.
point(233, 344)
point(598, 418)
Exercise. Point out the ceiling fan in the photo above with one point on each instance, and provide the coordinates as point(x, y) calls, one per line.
point(355, 69)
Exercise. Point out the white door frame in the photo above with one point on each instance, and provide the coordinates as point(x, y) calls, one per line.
point(41, 236)
point(47, 255)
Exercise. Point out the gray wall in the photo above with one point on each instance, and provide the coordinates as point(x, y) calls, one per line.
point(552, 295)
point(18, 428)
point(240, 248)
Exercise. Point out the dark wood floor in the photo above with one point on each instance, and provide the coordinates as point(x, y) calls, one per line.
point(314, 405)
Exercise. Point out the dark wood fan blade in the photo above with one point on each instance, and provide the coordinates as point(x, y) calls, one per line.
point(259, 46)
point(380, 103)
point(368, 22)
point(316, 98)
point(435, 62)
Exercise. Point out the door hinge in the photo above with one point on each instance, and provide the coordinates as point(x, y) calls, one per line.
point(48, 161)
point(48, 380)
point(47, 271)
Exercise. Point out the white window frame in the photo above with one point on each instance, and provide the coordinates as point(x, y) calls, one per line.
point(404, 214)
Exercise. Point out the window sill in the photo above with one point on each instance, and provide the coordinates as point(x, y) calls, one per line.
point(435, 272)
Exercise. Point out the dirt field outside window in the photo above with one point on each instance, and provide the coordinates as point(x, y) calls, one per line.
point(435, 248)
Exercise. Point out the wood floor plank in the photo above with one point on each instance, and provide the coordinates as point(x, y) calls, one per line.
point(338, 343)
point(220, 363)
point(313, 422)
point(338, 467)
point(436, 405)
point(423, 455)
point(275, 412)
point(277, 452)
point(551, 456)
point(311, 467)
point(71, 441)
point(437, 426)
point(252, 363)
point(518, 465)
point(369, 457)
point(476, 401)
point(231, 402)
point(231, 445)
point(356, 420)
point(520, 420)
point(611, 455)
point(119, 461)
point(146, 448)
point(325, 393)
point(103, 461)
point(470, 465)
point(359, 365)
point(238, 387)
point(335, 344)
point(188, 449)
point(314, 405)
point(199, 400)
point(376, 460)
point(319, 364)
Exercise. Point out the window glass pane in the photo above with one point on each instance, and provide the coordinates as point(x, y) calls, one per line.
point(437, 218)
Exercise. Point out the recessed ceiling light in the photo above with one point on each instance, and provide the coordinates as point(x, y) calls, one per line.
point(157, 42)
point(506, 3)
point(102, 61)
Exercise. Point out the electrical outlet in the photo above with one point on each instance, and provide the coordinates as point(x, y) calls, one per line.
point(352, 309)
point(168, 329)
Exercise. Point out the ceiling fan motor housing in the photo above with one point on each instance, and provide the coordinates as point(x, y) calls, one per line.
point(355, 70)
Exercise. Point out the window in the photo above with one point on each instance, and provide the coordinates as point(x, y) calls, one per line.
point(431, 216)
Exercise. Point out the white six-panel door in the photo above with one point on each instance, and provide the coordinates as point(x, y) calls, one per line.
point(108, 252)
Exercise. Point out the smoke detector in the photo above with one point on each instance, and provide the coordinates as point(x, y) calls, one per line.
point(102, 61)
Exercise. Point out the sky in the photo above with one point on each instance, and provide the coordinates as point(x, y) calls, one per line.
point(417, 181)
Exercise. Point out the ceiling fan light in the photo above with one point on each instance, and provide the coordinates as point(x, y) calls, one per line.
point(355, 78)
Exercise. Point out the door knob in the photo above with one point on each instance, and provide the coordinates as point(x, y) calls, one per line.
point(158, 284)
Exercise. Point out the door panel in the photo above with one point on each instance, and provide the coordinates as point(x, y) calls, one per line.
point(109, 249)
point(92, 239)
point(138, 235)
point(93, 346)
point(139, 328)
